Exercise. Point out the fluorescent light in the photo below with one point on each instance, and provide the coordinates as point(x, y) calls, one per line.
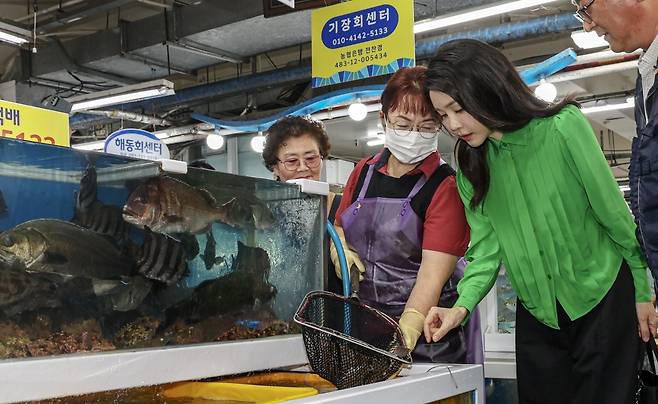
point(630, 103)
point(98, 145)
point(11, 38)
point(13, 34)
point(477, 14)
point(588, 40)
point(136, 92)
point(375, 142)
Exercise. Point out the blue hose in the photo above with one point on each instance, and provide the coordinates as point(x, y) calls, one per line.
point(344, 270)
point(345, 274)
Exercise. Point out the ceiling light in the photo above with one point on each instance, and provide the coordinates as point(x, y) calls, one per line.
point(258, 143)
point(14, 35)
point(375, 142)
point(11, 38)
point(357, 111)
point(478, 13)
point(121, 95)
point(630, 103)
point(546, 91)
point(215, 141)
point(588, 40)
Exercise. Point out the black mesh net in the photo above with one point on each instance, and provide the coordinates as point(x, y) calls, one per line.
point(348, 343)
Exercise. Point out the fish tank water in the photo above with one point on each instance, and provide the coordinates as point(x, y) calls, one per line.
point(103, 253)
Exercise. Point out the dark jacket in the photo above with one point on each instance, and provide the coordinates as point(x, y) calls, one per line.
point(643, 174)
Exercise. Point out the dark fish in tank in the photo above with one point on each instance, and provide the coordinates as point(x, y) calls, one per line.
point(209, 257)
point(64, 252)
point(94, 214)
point(87, 194)
point(104, 219)
point(167, 205)
point(19, 288)
point(62, 248)
point(3, 204)
point(250, 211)
point(162, 258)
point(247, 284)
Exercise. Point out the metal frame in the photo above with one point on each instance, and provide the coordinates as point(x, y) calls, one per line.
point(65, 375)
point(440, 382)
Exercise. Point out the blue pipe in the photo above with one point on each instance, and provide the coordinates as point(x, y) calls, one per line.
point(504, 32)
point(344, 270)
point(549, 66)
point(345, 274)
point(313, 105)
point(424, 48)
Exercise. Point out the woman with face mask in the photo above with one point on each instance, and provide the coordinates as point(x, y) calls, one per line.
point(540, 198)
point(402, 216)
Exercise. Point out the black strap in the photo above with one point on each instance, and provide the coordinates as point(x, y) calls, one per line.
point(652, 352)
point(334, 207)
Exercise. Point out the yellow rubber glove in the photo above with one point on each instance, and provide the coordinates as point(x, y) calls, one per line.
point(411, 324)
point(351, 257)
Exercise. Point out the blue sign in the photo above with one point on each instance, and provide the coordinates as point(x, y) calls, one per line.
point(136, 143)
point(360, 26)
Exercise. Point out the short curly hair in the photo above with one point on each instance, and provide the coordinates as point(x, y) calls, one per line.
point(290, 127)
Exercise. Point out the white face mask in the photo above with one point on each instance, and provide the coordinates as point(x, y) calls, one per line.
point(412, 148)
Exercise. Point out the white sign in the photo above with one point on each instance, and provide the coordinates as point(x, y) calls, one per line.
point(289, 3)
point(136, 143)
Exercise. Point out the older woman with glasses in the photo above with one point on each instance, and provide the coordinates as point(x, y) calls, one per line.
point(295, 148)
point(401, 214)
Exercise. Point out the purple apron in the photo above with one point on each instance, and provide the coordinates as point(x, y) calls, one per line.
point(387, 235)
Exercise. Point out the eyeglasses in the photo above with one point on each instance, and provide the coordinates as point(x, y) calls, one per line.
point(427, 130)
point(582, 14)
point(292, 164)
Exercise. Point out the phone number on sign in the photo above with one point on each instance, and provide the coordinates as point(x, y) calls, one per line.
point(23, 136)
point(372, 34)
point(362, 59)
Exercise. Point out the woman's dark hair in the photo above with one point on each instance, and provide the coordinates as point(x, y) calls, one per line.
point(290, 127)
point(487, 86)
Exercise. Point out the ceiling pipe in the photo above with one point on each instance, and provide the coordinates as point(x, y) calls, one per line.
point(514, 31)
point(155, 4)
point(424, 49)
point(131, 116)
point(592, 72)
point(50, 10)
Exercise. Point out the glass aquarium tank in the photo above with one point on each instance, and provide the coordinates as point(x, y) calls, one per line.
point(505, 304)
point(103, 253)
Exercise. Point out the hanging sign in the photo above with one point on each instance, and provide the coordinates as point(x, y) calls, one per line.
point(136, 143)
point(360, 39)
point(24, 122)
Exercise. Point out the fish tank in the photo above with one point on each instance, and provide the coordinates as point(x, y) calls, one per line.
point(102, 254)
point(498, 321)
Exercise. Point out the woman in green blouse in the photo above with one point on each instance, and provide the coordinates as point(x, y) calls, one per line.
point(541, 199)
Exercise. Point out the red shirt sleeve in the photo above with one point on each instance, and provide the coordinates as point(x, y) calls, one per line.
point(348, 191)
point(445, 228)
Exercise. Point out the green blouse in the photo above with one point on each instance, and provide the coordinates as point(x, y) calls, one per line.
point(554, 216)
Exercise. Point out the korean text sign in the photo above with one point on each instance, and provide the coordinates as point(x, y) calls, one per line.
point(23, 122)
point(360, 39)
point(136, 143)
